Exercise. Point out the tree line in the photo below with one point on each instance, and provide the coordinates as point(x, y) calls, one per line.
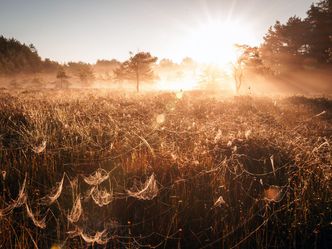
point(16, 57)
point(298, 44)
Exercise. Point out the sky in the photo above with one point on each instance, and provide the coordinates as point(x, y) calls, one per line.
point(87, 30)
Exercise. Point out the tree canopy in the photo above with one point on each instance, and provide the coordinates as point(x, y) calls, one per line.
point(138, 68)
point(16, 57)
point(300, 43)
point(83, 71)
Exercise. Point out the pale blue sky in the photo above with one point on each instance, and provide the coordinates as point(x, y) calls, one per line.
point(86, 30)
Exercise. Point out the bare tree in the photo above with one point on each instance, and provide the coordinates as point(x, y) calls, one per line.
point(249, 61)
point(238, 75)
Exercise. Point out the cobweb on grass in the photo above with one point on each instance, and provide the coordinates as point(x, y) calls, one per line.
point(7, 210)
point(3, 174)
point(74, 185)
point(40, 148)
point(88, 193)
point(146, 191)
point(273, 194)
point(101, 196)
point(76, 210)
point(39, 223)
point(219, 202)
point(20, 200)
point(99, 237)
point(97, 177)
point(54, 194)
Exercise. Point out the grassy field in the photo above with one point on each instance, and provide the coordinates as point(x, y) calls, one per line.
point(101, 169)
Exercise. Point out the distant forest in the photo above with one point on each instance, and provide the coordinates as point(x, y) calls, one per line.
point(299, 45)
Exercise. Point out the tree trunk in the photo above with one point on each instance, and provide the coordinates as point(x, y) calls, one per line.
point(137, 79)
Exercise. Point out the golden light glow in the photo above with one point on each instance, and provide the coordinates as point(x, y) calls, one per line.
point(160, 118)
point(213, 42)
point(178, 85)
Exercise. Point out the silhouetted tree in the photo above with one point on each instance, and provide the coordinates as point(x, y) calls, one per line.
point(104, 69)
point(107, 64)
point(50, 66)
point(62, 76)
point(18, 58)
point(210, 78)
point(138, 68)
point(320, 31)
point(189, 65)
point(249, 61)
point(238, 75)
point(83, 71)
point(252, 60)
point(285, 45)
point(298, 42)
point(187, 62)
point(167, 64)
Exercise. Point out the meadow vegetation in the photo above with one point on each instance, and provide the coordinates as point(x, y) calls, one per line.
point(83, 168)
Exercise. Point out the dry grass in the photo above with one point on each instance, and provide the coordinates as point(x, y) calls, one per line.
point(168, 170)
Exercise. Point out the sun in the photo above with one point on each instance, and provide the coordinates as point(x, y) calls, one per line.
point(213, 42)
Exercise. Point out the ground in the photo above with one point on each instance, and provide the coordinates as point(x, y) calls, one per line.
point(169, 170)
